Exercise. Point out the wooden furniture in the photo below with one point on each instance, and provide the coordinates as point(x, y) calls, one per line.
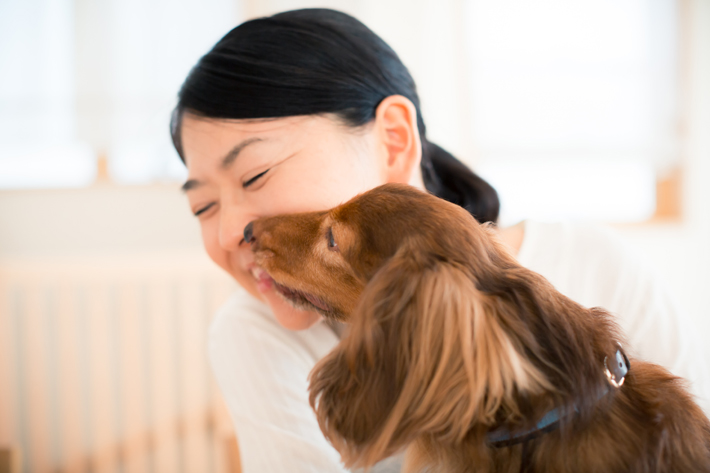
point(10, 460)
point(103, 365)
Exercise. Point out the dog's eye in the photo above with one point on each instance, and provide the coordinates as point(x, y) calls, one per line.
point(332, 245)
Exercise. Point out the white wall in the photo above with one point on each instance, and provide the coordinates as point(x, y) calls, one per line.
point(103, 219)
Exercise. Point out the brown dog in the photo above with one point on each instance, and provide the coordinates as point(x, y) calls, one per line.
point(463, 357)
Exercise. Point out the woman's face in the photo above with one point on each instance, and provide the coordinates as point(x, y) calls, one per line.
point(240, 170)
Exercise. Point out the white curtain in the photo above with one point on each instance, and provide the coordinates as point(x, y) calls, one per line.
point(37, 97)
point(150, 47)
point(82, 79)
point(575, 77)
point(574, 104)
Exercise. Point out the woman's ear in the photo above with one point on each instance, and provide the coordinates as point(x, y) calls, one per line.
point(398, 141)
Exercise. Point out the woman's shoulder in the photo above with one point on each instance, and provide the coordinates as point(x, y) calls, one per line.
point(571, 239)
point(594, 266)
point(567, 250)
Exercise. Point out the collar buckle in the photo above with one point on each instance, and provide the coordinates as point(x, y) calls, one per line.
point(619, 368)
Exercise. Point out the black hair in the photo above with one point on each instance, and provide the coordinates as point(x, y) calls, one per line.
point(316, 61)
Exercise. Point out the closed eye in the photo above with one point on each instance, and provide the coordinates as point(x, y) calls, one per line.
point(203, 209)
point(253, 179)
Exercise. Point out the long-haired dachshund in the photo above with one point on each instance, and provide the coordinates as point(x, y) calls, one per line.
point(462, 357)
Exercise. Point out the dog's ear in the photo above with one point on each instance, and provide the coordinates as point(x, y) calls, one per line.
point(426, 355)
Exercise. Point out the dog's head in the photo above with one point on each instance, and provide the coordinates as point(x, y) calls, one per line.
point(448, 335)
point(322, 261)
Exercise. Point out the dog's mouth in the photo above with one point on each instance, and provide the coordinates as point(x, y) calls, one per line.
point(299, 299)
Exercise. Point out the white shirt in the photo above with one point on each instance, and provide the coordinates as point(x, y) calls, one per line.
point(262, 368)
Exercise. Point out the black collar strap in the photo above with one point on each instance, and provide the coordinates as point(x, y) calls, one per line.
point(615, 373)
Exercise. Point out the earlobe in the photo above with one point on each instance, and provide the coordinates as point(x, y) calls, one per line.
point(398, 139)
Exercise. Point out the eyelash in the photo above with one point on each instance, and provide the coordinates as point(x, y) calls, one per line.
point(253, 179)
point(203, 210)
point(244, 185)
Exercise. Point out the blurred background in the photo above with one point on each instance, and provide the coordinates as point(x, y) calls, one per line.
point(589, 110)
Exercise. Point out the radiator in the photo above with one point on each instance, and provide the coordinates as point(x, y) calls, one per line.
point(103, 364)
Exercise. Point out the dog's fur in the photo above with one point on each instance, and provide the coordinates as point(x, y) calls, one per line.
point(450, 338)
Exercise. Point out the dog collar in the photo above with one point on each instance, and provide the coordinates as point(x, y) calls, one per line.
point(501, 437)
point(615, 373)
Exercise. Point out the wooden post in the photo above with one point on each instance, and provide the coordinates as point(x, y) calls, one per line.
point(231, 448)
point(10, 460)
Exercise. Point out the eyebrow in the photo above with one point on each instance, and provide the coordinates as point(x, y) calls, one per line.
point(232, 155)
point(226, 161)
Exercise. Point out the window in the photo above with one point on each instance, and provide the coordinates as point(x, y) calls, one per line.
point(89, 80)
point(574, 104)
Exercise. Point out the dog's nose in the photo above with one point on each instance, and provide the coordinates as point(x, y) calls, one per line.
point(249, 232)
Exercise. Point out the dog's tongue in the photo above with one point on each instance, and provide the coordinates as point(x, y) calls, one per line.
point(263, 281)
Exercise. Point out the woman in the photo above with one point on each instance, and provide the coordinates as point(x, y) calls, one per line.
point(302, 111)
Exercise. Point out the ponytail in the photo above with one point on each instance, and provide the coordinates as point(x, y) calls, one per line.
point(448, 178)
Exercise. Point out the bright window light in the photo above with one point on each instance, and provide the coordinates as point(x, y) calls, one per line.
point(602, 189)
point(101, 76)
point(573, 104)
point(47, 166)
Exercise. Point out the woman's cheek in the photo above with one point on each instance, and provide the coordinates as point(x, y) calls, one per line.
point(210, 239)
point(229, 261)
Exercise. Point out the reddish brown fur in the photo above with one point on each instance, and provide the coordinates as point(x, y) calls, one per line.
point(450, 337)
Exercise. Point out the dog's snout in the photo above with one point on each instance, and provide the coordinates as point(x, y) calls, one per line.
point(249, 232)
